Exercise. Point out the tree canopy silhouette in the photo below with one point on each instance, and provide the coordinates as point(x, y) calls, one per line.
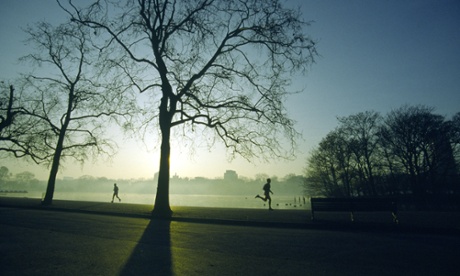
point(211, 66)
point(68, 100)
point(410, 151)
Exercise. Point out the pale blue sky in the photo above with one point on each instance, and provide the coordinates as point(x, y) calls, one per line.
point(375, 55)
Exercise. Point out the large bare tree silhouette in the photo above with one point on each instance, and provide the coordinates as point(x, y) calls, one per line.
point(223, 66)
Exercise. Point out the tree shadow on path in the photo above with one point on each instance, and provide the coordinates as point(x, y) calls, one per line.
point(152, 255)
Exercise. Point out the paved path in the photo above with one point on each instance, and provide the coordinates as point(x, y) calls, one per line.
point(418, 222)
point(54, 242)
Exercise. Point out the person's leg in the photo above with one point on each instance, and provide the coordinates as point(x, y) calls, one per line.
point(267, 197)
point(258, 196)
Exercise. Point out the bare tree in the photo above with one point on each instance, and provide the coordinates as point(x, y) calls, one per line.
point(419, 141)
point(16, 128)
point(331, 166)
point(360, 131)
point(9, 111)
point(68, 98)
point(321, 176)
point(210, 65)
point(455, 137)
point(6, 107)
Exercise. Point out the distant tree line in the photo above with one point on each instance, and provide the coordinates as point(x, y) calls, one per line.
point(290, 184)
point(24, 181)
point(411, 152)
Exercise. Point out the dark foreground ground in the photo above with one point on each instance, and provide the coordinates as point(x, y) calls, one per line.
point(89, 238)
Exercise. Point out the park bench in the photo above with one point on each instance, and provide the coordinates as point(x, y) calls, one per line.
point(353, 205)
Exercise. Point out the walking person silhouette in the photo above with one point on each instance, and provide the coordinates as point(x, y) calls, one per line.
point(115, 192)
point(267, 191)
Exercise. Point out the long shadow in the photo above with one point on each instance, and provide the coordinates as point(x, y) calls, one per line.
point(152, 255)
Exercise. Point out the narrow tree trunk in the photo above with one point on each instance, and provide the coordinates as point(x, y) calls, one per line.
point(161, 207)
point(48, 200)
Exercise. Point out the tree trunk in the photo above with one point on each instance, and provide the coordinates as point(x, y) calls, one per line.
point(48, 200)
point(161, 207)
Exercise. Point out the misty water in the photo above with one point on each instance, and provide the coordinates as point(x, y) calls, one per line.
point(223, 201)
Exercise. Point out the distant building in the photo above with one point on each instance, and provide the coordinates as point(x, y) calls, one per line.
point(230, 175)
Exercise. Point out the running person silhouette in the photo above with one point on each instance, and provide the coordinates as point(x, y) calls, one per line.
point(115, 192)
point(267, 191)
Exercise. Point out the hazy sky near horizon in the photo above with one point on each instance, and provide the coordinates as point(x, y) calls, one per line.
point(374, 55)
